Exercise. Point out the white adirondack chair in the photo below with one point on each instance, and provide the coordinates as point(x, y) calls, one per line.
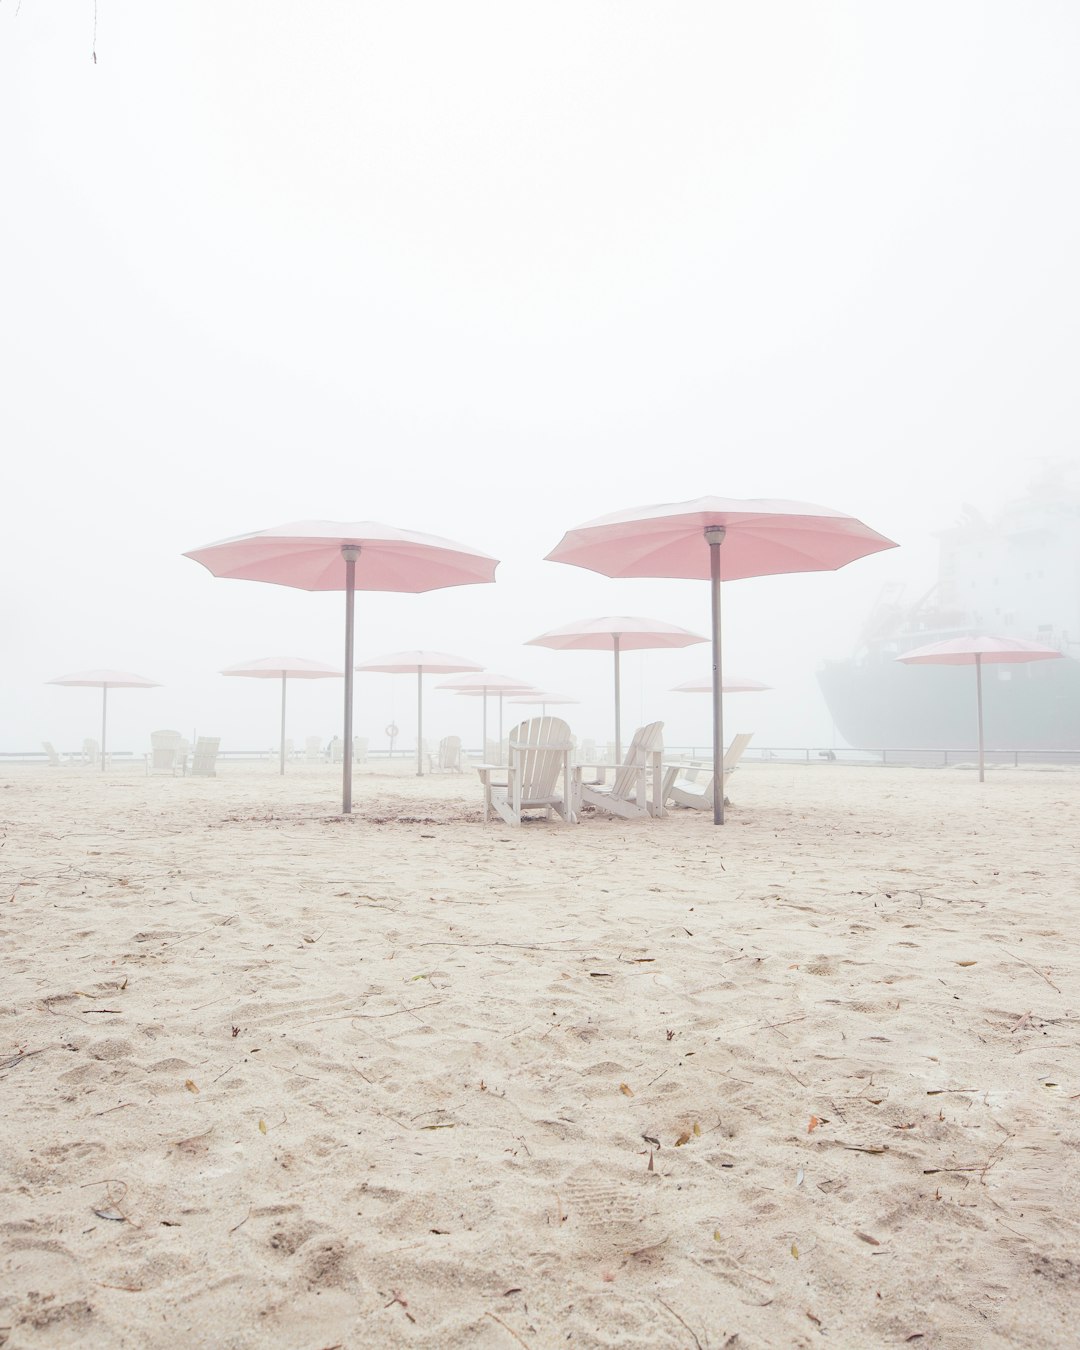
point(204, 760)
point(539, 755)
point(53, 754)
point(313, 748)
point(448, 760)
point(91, 752)
point(684, 787)
point(359, 749)
point(164, 752)
point(628, 794)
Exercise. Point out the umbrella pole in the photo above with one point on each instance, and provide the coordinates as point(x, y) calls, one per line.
point(978, 702)
point(419, 721)
point(618, 704)
point(483, 748)
point(714, 535)
point(500, 727)
point(284, 677)
point(350, 552)
point(104, 705)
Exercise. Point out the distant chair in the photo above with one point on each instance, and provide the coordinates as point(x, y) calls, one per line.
point(313, 748)
point(336, 750)
point(588, 753)
point(359, 749)
point(91, 751)
point(183, 754)
point(204, 761)
point(290, 749)
point(491, 752)
point(51, 751)
point(683, 786)
point(164, 752)
point(448, 760)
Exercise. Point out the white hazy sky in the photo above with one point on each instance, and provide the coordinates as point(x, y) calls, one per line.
point(488, 270)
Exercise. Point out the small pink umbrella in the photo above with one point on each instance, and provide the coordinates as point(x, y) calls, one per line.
point(685, 539)
point(407, 663)
point(484, 683)
point(285, 667)
point(322, 555)
point(733, 684)
point(106, 680)
point(539, 696)
point(977, 651)
point(616, 633)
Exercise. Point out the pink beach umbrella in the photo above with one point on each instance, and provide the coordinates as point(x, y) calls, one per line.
point(330, 555)
point(539, 696)
point(616, 633)
point(733, 684)
point(484, 683)
point(718, 538)
point(106, 680)
point(977, 651)
point(408, 663)
point(285, 667)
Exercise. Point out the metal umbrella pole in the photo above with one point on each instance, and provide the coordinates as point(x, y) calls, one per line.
point(419, 721)
point(979, 705)
point(284, 677)
point(104, 706)
point(350, 552)
point(714, 535)
point(618, 703)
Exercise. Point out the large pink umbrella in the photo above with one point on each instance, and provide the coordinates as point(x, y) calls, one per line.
point(322, 555)
point(285, 668)
point(616, 633)
point(977, 651)
point(408, 663)
point(484, 683)
point(687, 539)
point(106, 680)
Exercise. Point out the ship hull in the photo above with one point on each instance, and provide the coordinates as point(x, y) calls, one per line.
point(884, 704)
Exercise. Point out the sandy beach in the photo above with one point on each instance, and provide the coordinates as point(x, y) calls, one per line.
point(274, 1077)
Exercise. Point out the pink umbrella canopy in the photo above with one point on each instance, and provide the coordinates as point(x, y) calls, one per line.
point(106, 680)
point(419, 663)
point(329, 555)
point(733, 684)
point(283, 668)
point(541, 697)
point(484, 683)
point(616, 633)
point(718, 538)
point(977, 651)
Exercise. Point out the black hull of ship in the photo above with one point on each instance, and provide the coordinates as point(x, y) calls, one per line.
point(884, 704)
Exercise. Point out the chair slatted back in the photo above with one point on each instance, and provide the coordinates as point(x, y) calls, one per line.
point(629, 773)
point(538, 752)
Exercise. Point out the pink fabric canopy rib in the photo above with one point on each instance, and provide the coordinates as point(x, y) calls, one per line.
point(307, 554)
point(634, 634)
point(963, 651)
point(274, 667)
point(409, 663)
point(107, 679)
point(764, 538)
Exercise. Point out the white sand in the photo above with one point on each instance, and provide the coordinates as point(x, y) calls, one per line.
point(460, 1039)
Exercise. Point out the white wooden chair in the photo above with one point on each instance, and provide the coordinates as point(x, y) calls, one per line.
point(91, 753)
point(204, 760)
point(164, 752)
point(448, 760)
point(359, 749)
point(628, 794)
point(539, 754)
point(313, 749)
point(684, 787)
point(53, 754)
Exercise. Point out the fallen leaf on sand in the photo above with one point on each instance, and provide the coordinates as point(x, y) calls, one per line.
point(190, 1085)
point(626, 1089)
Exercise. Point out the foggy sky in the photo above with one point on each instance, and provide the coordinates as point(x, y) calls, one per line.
point(488, 270)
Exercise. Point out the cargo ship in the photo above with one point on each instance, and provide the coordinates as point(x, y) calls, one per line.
point(1016, 575)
